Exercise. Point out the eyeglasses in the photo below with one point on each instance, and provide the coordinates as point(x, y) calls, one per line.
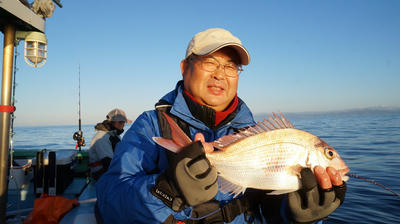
point(211, 65)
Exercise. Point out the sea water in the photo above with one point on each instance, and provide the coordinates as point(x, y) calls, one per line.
point(369, 143)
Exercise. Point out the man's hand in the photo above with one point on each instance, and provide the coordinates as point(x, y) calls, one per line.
point(327, 178)
point(193, 174)
point(312, 203)
point(189, 176)
point(208, 147)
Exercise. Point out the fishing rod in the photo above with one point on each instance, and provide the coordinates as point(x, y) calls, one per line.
point(78, 136)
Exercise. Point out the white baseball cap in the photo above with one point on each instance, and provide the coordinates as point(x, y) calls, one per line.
point(211, 40)
point(118, 115)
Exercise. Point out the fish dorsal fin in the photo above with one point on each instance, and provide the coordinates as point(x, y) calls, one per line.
point(278, 121)
point(273, 122)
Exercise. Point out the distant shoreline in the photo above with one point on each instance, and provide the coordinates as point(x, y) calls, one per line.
point(349, 112)
point(370, 110)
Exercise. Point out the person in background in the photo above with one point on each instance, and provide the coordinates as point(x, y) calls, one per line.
point(148, 184)
point(103, 144)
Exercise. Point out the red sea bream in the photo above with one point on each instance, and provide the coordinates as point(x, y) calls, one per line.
point(267, 156)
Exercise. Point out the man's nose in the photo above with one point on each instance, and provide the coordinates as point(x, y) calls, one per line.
point(219, 73)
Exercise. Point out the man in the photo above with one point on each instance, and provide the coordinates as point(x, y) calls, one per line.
point(103, 144)
point(147, 184)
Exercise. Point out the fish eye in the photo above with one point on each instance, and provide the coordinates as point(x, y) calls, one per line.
point(329, 153)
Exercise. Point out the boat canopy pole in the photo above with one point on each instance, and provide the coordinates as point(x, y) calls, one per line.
point(5, 110)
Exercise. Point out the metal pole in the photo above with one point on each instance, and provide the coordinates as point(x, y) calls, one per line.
point(8, 52)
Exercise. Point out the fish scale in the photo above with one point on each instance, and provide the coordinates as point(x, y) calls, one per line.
point(266, 166)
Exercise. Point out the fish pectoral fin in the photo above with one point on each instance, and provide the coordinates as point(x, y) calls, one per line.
point(295, 170)
point(226, 186)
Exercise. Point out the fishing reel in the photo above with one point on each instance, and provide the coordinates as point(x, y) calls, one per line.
point(80, 140)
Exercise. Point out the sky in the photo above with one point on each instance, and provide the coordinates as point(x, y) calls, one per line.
point(306, 55)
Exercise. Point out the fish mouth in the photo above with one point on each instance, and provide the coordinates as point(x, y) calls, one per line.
point(343, 173)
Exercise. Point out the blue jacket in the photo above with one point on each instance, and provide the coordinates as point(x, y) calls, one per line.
point(124, 191)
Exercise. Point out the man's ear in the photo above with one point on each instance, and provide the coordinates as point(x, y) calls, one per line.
point(184, 66)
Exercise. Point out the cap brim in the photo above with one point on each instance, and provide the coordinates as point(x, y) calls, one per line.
point(243, 53)
point(125, 120)
point(120, 117)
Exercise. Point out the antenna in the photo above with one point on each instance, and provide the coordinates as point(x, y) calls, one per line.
point(78, 136)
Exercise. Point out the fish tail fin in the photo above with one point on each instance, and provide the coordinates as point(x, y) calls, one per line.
point(179, 138)
point(168, 144)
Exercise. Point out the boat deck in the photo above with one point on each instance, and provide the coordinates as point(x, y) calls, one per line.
point(21, 194)
point(84, 213)
point(25, 206)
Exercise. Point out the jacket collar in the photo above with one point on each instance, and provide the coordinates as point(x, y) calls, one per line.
point(242, 118)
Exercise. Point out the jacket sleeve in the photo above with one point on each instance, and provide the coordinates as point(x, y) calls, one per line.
point(103, 147)
point(124, 191)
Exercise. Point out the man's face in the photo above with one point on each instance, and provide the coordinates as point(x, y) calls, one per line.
point(118, 124)
point(213, 89)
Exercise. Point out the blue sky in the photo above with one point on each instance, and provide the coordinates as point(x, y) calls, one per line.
point(305, 56)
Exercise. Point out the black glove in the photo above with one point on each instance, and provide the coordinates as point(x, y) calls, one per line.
point(105, 162)
point(310, 203)
point(114, 140)
point(189, 176)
